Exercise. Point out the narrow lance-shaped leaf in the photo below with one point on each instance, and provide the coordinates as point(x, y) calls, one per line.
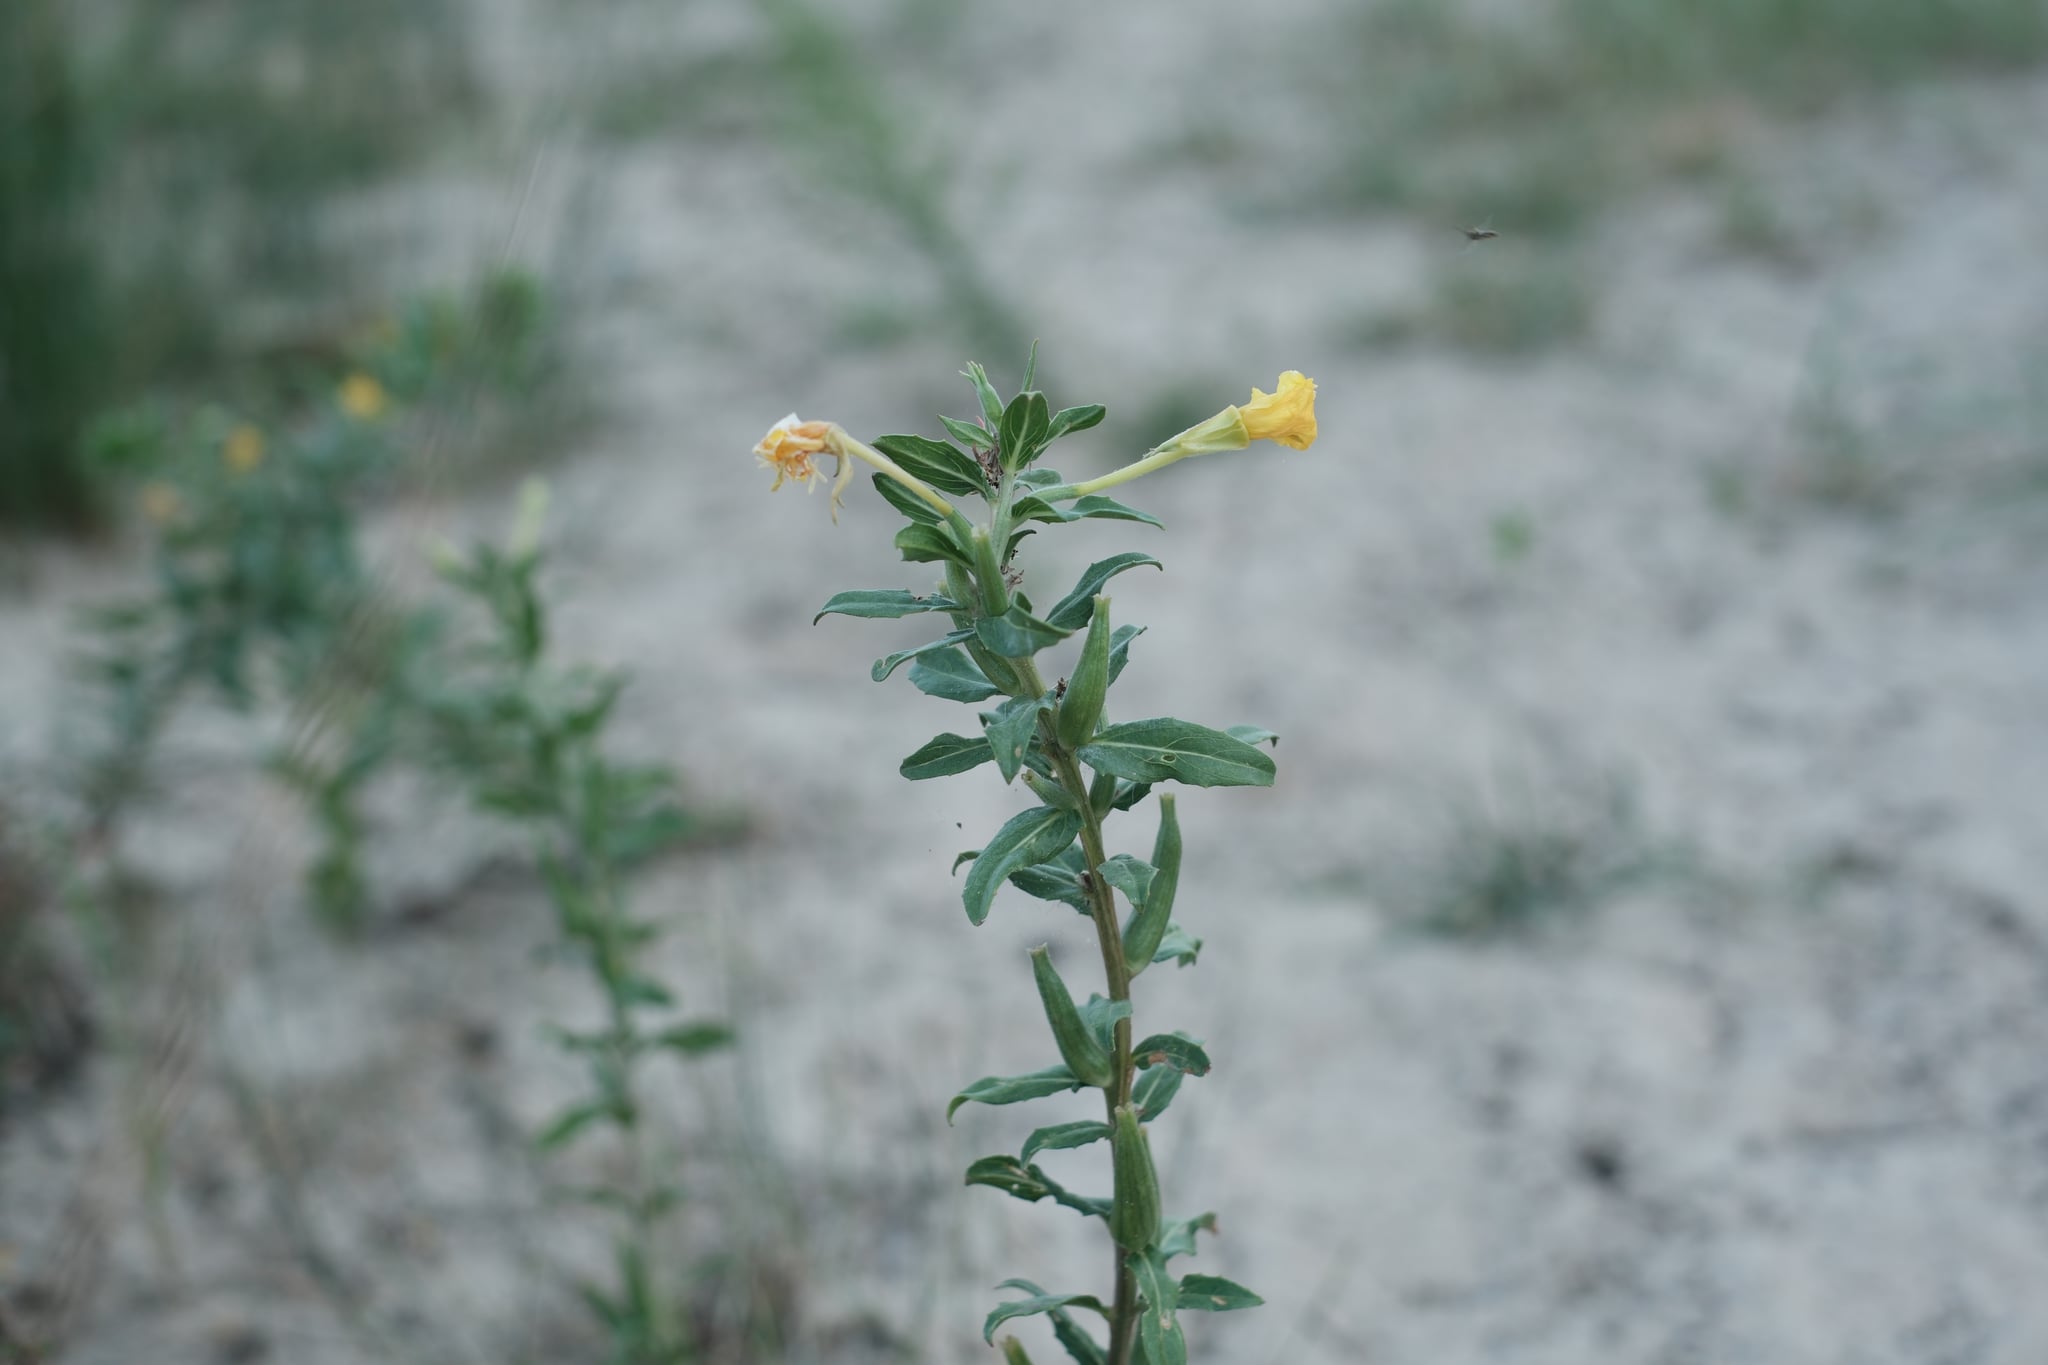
point(1073, 610)
point(1158, 1329)
point(1017, 634)
point(942, 466)
point(949, 674)
point(906, 502)
point(1030, 837)
point(883, 603)
point(946, 755)
point(1067, 421)
point(1015, 1089)
point(1171, 1049)
point(1065, 1330)
point(1010, 728)
point(1169, 750)
point(889, 663)
point(1155, 1090)
point(1062, 1136)
point(1039, 1302)
point(921, 544)
point(1030, 1184)
point(1214, 1294)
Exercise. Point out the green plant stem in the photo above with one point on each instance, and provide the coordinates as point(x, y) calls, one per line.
point(1102, 909)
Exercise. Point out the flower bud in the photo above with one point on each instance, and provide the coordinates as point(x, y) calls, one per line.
point(1134, 1215)
point(1084, 1056)
point(1147, 928)
point(995, 595)
point(1086, 690)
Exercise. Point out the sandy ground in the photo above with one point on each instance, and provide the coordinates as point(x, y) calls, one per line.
point(1781, 1100)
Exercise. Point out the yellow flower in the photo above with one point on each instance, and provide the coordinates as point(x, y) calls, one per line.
point(243, 450)
point(1287, 415)
point(788, 447)
point(161, 503)
point(363, 398)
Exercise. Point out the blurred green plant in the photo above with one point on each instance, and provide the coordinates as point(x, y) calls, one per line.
point(526, 739)
point(1626, 90)
point(54, 330)
point(261, 591)
point(1080, 769)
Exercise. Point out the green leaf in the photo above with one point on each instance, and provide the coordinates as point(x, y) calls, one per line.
point(969, 434)
point(1037, 1303)
point(1072, 611)
point(906, 502)
point(1119, 655)
point(1030, 837)
point(1129, 876)
point(1214, 1294)
point(570, 1122)
point(1015, 1089)
point(1169, 750)
point(888, 663)
point(1039, 478)
point(693, 1039)
point(969, 856)
point(1155, 1090)
point(1030, 365)
point(1031, 1184)
point(1130, 794)
point(946, 755)
point(1017, 634)
point(1158, 1330)
point(1080, 509)
point(945, 467)
point(1101, 1015)
point(1067, 421)
point(1025, 424)
point(1050, 882)
point(950, 674)
point(1061, 1136)
point(1178, 1238)
point(1178, 945)
point(991, 401)
point(1252, 734)
point(1171, 1049)
point(922, 544)
point(1079, 1344)
point(1010, 729)
point(883, 603)
point(644, 990)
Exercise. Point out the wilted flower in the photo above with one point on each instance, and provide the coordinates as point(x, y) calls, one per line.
point(790, 444)
point(788, 447)
point(363, 398)
point(244, 448)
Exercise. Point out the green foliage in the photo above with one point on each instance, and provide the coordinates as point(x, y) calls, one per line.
point(53, 322)
point(527, 739)
point(1082, 768)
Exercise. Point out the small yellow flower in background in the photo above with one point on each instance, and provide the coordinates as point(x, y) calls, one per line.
point(788, 447)
point(244, 448)
point(363, 398)
point(1287, 415)
point(161, 503)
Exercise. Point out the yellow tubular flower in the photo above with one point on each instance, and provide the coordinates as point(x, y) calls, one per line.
point(243, 450)
point(363, 398)
point(1287, 415)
